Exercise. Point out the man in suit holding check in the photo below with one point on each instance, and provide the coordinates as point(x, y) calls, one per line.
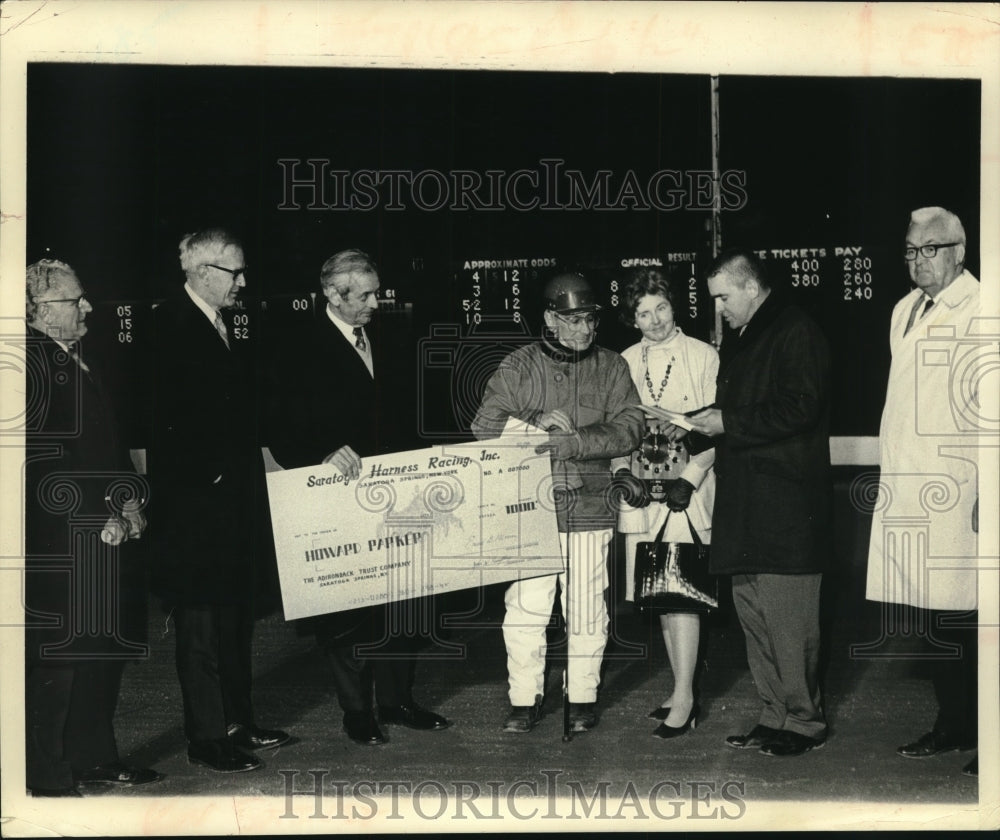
point(207, 477)
point(335, 401)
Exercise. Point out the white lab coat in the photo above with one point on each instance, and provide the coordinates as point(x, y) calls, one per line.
point(923, 550)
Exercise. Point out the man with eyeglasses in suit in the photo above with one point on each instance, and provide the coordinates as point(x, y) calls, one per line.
point(928, 438)
point(209, 497)
point(79, 483)
point(583, 396)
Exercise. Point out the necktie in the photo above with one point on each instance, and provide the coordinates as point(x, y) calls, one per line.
point(75, 356)
point(359, 339)
point(220, 327)
point(914, 317)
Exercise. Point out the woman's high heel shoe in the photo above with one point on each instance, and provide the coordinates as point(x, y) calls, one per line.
point(663, 731)
point(659, 713)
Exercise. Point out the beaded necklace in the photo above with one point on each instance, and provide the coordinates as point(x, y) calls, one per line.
point(649, 382)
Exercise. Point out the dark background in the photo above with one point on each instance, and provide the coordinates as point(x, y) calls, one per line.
point(123, 160)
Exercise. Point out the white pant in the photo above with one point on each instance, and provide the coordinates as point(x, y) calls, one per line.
point(529, 608)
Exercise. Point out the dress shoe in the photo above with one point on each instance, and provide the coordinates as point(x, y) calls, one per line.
point(524, 718)
point(659, 713)
point(787, 744)
point(582, 717)
point(413, 716)
point(69, 791)
point(362, 729)
point(934, 742)
point(754, 739)
point(222, 756)
point(255, 738)
point(972, 768)
point(119, 774)
point(664, 731)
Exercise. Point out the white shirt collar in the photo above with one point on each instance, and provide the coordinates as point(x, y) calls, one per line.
point(210, 313)
point(958, 289)
point(73, 351)
point(346, 329)
point(955, 292)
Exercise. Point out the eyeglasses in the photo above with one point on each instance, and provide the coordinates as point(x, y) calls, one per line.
point(235, 272)
point(76, 301)
point(928, 251)
point(591, 319)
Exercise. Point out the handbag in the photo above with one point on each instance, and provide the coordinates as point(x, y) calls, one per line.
point(674, 576)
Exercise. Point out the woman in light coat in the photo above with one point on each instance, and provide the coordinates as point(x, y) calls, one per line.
point(677, 373)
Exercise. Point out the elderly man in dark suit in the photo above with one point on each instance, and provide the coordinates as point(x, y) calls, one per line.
point(83, 509)
point(773, 501)
point(206, 471)
point(337, 398)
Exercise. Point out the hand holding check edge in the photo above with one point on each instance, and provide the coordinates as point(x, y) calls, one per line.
point(346, 460)
point(129, 524)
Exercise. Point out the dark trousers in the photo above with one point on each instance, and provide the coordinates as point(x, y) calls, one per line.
point(371, 662)
point(70, 710)
point(780, 619)
point(956, 679)
point(214, 668)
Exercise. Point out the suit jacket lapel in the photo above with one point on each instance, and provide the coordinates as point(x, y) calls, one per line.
point(205, 334)
point(345, 349)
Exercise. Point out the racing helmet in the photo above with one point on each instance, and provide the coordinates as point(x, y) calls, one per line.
point(567, 294)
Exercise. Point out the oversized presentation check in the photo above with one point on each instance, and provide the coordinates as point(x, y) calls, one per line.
point(415, 523)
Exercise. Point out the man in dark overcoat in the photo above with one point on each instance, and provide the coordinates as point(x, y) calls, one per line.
point(771, 524)
point(84, 584)
point(207, 477)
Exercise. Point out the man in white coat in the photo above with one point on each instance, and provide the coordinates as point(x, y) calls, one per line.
point(924, 541)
